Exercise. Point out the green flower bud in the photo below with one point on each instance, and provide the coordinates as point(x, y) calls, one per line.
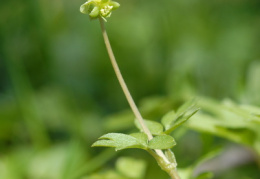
point(99, 8)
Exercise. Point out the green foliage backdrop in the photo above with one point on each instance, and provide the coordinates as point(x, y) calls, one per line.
point(58, 92)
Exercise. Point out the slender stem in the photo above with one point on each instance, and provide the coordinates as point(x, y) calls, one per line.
point(122, 82)
point(162, 160)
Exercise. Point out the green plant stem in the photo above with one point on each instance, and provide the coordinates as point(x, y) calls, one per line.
point(170, 168)
point(122, 82)
point(159, 156)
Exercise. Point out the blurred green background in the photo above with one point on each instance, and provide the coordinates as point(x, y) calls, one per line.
point(58, 92)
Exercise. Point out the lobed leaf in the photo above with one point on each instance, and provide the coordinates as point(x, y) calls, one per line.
point(168, 118)
point(251, 113)
point(173, 120)
point(231, 129)
point(162, 142)
point(141, 137)
point(119, 141)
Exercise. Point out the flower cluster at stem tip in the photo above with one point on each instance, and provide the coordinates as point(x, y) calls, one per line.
point(99, 8)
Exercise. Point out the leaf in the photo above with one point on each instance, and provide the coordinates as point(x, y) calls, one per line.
point(186, 106)
point(155, 127)
point(162, 142)
point(234, 129)
point(168, 118)
point(173, 120)
point(248, 112)
point(119, 141)
point(104, 143)
point(130, 167)
point(240, 134)
point(229, 120)
point(206, 175)
point(141, 137)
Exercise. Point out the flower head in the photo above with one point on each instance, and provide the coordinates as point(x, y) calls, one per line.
point(99, 8)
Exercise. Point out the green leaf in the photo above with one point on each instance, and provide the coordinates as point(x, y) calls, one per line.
point(240, 134)
point(156, 128)
point(162, 142)
point(248, 112)
point(173, 120)
point(104, 143)
point(130, 167)
point(141, 137)
point(231, 129)
point(186, 106)
point(119, 141)
point(206, 175)
point(168, 118)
